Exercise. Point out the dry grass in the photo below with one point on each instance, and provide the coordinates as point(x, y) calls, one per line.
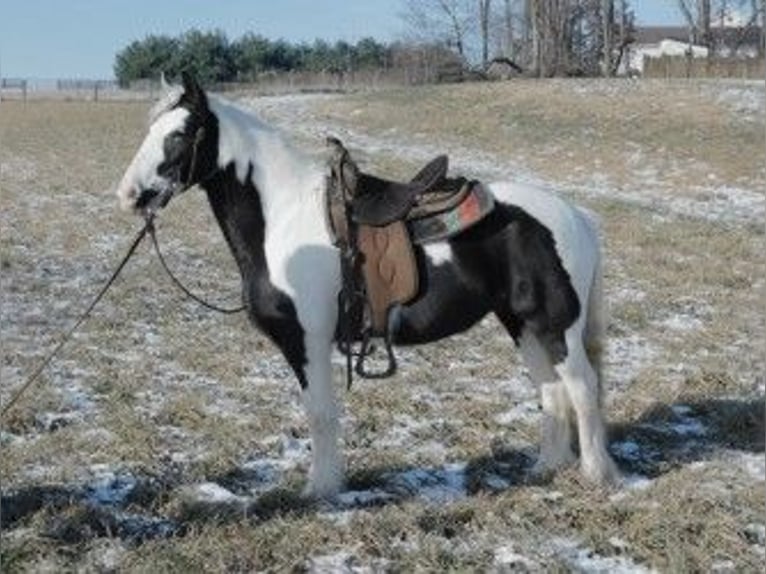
point(171, 395)
point(567, 130)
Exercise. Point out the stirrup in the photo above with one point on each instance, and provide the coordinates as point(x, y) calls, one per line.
point(367, 350)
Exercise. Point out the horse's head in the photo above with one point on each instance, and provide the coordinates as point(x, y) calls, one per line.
point(179, 151)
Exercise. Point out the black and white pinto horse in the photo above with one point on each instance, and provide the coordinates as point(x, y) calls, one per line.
point(534, 262)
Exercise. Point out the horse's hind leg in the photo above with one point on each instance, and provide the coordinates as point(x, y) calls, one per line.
point(555, 428)
point(582, 386)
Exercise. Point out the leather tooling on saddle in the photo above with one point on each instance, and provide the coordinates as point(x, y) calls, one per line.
point(375, 222)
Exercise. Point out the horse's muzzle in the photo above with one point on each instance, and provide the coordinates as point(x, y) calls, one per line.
point(152, 200)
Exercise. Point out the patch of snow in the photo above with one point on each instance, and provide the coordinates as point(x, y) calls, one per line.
point(631, 483)
point(435, 486)
point(681, 322)
point(343, 562)
point(687, 425)
point(50, 422)
point(723, 567)
point(627, 449)
point(747, 102)
point(626, 293)
point(266, 470)
point(212, 493)
point(18, 169)
point(753, 463)
point(724, 204)
point(339, 517)
point(496, 482)
point(755, 533)
point(11, 439)
point(106, 555)
point(526, 411)
point(364, 498)
point(295, 450)
point(625, 356)
point(109, 488)
point(507, 559)
point(587, 561)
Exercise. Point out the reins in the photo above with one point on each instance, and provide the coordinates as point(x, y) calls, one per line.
point(182, 287)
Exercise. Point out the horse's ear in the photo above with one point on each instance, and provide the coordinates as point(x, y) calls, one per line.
point(164, 86)
point(193, 92)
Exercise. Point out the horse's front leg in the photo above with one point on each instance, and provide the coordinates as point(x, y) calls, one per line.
point(320, 402)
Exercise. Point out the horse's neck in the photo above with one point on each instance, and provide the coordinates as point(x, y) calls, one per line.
point(238, 210)
point(282, 175)
point(265, 184)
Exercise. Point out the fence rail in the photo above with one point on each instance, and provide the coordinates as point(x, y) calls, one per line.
point(292, 82)
point(58, 89)
point(266, 83)
point(685, 67)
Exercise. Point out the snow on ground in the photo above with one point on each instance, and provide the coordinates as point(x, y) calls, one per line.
point(725, 203)
point(745, 101)
point(110, 488)
point(584, 560)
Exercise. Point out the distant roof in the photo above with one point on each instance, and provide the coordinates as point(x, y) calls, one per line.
point(655, 34)
point(730, 36)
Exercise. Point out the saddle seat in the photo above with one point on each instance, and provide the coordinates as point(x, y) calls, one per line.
point(377, 201)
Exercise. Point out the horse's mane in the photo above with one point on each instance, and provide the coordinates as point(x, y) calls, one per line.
point(244, 137)
point(168, 100)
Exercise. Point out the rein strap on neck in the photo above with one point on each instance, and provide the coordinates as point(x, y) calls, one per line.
point(177, 282)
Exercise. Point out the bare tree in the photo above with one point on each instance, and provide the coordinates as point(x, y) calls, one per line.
point(508, 29)
point(700, 15)
point(447, 21)
point(547, 37)
point(485, 8)
point(607, 19)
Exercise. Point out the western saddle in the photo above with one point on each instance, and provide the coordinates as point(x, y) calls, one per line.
point(374, 223)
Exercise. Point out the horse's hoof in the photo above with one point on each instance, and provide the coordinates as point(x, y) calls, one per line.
point(322, 493)
point(605, 474)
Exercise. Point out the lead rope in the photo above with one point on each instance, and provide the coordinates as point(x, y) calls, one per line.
point(147, 228)
point(68, 335)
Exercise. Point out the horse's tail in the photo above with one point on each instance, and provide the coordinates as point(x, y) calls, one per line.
point(596, 319)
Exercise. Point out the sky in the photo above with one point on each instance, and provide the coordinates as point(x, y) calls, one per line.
point(79, 38)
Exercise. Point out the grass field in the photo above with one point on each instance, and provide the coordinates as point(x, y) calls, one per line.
point(169, 439)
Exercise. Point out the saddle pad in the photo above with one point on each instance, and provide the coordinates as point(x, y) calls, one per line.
point(389, 267)
point(476, 205)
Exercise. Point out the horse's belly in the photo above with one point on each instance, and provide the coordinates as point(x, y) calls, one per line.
point(449, 303)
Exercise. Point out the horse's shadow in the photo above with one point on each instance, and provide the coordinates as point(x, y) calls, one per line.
point(667, 436)
point(662, 438)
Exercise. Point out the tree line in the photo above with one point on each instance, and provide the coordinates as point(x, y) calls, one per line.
point(214, 59)
point(541, 37)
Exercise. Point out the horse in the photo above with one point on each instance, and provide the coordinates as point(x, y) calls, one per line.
point(534, 261)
